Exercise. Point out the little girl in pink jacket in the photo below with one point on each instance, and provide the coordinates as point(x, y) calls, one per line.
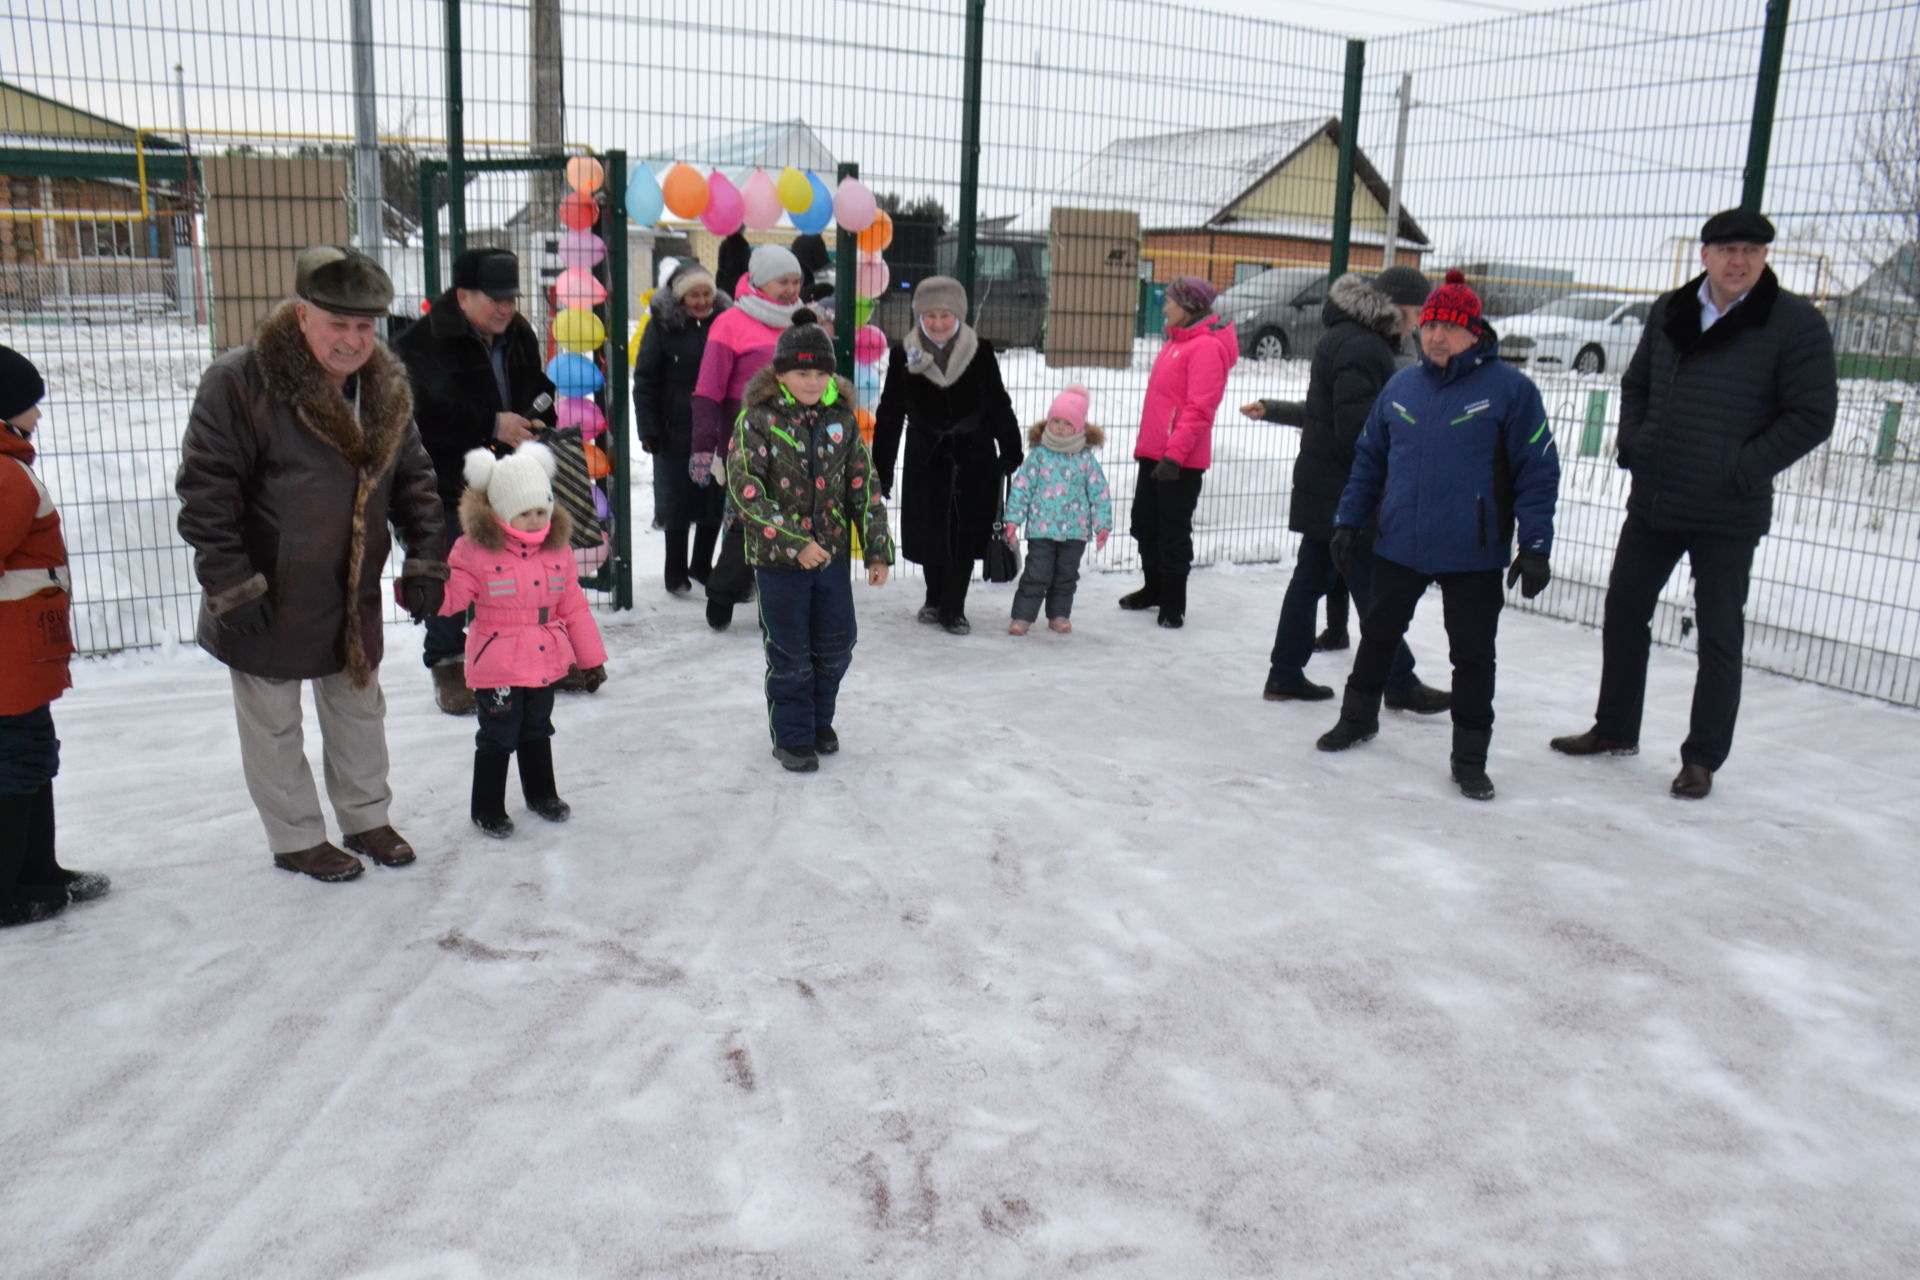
point(530, 623)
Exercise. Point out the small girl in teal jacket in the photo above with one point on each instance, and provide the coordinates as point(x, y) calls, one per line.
point(1060, 495)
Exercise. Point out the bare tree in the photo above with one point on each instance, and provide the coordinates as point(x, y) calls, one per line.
point(1887, 160)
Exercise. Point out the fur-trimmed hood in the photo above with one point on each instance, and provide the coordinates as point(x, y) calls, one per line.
point(1352, 298)
point(369, 441)
point(672, 312)
point(764, 388)
point(481, 524)
point(1095, 436)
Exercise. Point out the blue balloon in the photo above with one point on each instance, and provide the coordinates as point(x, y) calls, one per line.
point(574, 375)
point(819, 213)
point(644, 201)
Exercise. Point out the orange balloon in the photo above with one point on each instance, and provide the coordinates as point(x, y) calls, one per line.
point(685, 191)
point(865, 418)
point(878, 235)
point(597, 464)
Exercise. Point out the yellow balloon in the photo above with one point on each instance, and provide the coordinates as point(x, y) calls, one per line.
point(796, 193)
point(585, 174)
point(579, 331)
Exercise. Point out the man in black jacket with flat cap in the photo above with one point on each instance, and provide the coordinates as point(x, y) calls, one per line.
point(1732, 383)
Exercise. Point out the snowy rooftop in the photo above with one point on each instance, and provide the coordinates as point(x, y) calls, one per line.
point(1175, 180)
point(764, 146)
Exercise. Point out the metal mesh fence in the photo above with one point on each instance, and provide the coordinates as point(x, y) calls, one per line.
point(1565, 160)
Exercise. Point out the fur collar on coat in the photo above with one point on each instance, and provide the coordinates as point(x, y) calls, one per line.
point(483, 528)
point(1095, 436)
point(965, 345)
point(369, 439)
point(672, 312)
point(1366, 305)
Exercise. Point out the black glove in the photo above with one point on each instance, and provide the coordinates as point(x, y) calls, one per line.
point(592, 678)
point(421, 597)
point(1531, 572)
point(1009, 463)
point(1166, 469)
point(249, 619)
point(1340, 549)
point(886, 491)
point(649, 445)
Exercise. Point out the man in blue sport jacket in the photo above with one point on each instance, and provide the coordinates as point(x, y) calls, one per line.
point(1454, 455)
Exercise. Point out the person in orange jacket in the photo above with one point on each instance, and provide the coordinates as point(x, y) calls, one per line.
point(35, 644)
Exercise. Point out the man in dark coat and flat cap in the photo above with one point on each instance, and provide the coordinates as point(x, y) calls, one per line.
point(1732, 383)
point(300, 453)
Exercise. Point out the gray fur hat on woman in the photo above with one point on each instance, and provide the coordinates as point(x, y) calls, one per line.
point(940, 293)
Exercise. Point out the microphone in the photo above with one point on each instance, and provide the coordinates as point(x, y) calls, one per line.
point(540, 405)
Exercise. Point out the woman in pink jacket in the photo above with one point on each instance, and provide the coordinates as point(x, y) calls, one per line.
point(530, 622)
point(739, 345)
point(1176, 444)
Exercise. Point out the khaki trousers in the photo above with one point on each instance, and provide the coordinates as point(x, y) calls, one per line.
point(354, 745)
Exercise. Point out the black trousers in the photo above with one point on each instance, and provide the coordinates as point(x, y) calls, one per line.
point(1163, 522)
point(511, 716)
point(947, 587)
point(1643, 560)
point(1472, 602)
point(730, 581)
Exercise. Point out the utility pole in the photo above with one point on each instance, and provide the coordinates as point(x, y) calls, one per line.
point(545, 187)
point(193, 200)
point(369, 215)
point(1391, 250)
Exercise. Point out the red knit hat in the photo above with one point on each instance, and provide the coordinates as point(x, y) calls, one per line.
point(1454, 303)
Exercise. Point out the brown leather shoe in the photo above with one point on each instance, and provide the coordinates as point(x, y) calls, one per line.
point(1591, 743)
point(322, 862)
point(383, 845)
point(1693, 782)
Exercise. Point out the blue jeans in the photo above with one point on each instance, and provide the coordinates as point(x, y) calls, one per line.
point(807, 629)
point(1313, 577)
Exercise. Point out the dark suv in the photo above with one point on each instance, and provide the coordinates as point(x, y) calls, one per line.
point(1010, 290)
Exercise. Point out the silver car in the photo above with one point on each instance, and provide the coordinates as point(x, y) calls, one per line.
point(1277, 313)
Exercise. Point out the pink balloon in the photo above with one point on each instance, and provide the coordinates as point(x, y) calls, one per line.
point(762, 202)
point(577, 288)
point(870, 276)
point(578, 411)
point(853, 205)
point(869, 345)
point(582, 250)
point(725, 208)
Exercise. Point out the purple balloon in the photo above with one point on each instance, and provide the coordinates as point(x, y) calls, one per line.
point(582, 250)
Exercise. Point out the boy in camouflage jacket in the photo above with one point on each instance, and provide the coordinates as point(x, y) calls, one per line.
point(801, 480)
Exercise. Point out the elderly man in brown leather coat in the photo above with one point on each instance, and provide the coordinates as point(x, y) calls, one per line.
point(300, 452)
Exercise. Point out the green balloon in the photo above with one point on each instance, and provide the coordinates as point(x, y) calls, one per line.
point(862, 310)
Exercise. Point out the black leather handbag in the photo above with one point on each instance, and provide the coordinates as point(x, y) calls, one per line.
point(1002, 563)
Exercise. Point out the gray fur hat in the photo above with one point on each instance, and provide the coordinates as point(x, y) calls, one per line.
point(940, 293)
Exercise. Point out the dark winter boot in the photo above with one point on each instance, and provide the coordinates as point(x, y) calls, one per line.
point(489, 807)
point(536, 781)
point(1470, 763)
point(43, 869)
point(797, 759)
point(22, 903)
point(719, 614)
point(1421, 699)
point(700, 562)
point(450, 692)
point(1147, 597)
point(825, 740)
point(1334, 637)
point(677, 580)
point(1359, 721)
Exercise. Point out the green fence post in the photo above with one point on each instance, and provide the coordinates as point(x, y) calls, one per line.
point(430, 225)
point(619, 298)
point(456, 135)
point(1773, 47)
point(846, 296)
point(1349, 139)
point(1596, 427)
point(1889, 433)
point(966, 257)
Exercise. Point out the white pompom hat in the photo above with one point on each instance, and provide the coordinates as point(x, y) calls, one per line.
point(514, 484)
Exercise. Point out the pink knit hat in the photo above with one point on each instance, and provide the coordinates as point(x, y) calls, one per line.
point(1071, 406)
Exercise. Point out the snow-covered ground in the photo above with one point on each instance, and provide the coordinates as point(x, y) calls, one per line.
point(1077, 961)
